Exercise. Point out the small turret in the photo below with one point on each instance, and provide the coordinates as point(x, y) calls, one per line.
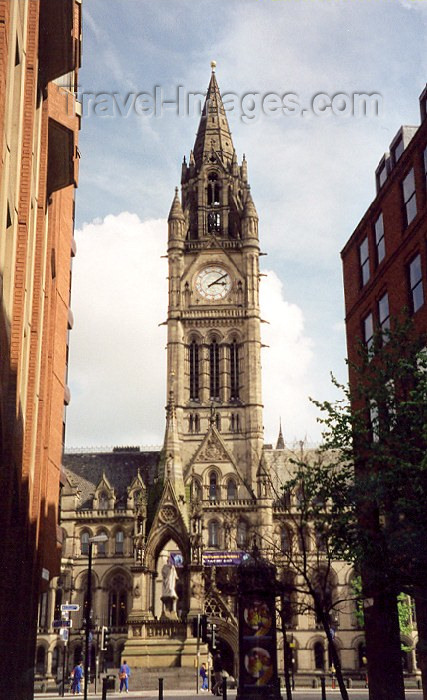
point(280, 445)
point(244, 169)
point(176, 221)
point(249, 211)
point(176, 212)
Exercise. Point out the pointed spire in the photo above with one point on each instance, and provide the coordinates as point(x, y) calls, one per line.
point(214, 133)
point(171, 463)
point(249, 210)
point(280, 445)
point(176, 208)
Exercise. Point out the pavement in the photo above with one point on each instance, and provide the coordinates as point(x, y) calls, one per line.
point(297, 694)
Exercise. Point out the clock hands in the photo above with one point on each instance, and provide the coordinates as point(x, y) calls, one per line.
point(218, 281)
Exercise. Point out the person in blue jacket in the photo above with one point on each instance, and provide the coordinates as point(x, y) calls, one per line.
point(124, 674)
point(77, 677)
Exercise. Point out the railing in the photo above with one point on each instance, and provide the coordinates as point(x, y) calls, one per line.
point(166, 628)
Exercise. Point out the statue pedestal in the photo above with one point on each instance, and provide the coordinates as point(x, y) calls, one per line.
point(160, 644)
point(169, 612)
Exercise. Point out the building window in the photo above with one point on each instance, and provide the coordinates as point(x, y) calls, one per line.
point(120, 540)
point(231, 490)
point(364, 261)
point(194, 371)
point(101, 548)
point(234, 371)
point(416, 283)
point(117, 603)
point(319, 656)
point(55, 659)
point(384, 317)
point(218, 422)
point(379, 239)
point(84, 543)
point(214, 370)
point(242, 534)
point(213, 190)
point(409, 198)
point(213, 534)
point(103, 501)
point(43, 604)
point(374, 420)
point(285, 541)
point(213, 487)
point(398, 150)
point(214, 222)
point(368, 330)
point(235, 423)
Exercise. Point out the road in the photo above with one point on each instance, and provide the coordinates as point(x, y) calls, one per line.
point(299, 694)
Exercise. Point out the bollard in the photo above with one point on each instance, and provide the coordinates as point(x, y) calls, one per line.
point(333, 682)
point(323, 686)
point(160, 688)
point(104, 689)
point(224, 688)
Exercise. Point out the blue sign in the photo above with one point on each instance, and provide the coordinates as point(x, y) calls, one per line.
point(62, 623)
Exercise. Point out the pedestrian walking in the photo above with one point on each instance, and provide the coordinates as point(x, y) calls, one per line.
point(77, 674)
point(217, 669)
point(204, 676)
point(124, 674)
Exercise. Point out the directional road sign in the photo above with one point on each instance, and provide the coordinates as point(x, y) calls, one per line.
point(62, 623)
point(70, 607)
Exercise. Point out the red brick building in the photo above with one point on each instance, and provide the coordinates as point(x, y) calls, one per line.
point(385, 273)
point(40, 44)
point(385, 260)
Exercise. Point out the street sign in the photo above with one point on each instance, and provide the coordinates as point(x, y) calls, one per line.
point(62, 623)
point(70, 607)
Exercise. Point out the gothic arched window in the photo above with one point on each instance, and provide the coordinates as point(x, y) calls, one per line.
point(285, 541)
point(101, 547)
point(117, 602)
point(319, 656)
point(214, 370)
point(234, 371)
point(213, 533)
point(242, 534)
point(231, 490)
point(119, 542)
point(193, 351)
point(213, 487)
point(84, 543)
point(213, 190)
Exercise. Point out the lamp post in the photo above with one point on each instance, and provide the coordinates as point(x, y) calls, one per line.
point(98, 538)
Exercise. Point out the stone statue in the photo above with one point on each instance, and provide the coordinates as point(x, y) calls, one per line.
point(169, 580)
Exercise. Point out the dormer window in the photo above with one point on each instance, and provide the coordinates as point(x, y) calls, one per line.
point(103, 501)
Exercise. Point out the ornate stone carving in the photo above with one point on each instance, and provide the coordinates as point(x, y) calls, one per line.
point(212, 451)
point(168, 514)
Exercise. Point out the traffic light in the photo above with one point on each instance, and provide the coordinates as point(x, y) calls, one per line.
point(105, 638)
point(203, 632)
point(211, 635)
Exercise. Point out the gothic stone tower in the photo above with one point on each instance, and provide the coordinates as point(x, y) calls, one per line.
point(214, 342)
point(214, 492)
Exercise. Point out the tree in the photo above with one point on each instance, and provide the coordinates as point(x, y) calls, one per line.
point(377, 489)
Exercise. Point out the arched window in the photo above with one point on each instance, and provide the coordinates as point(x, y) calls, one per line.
point(285, 541)
point(242, 534)
point(213, 487)
point(41, 661)
point(213, 533)
point(214, 370)
point(84, 543)
point(193, 352)
point(117, 602)
point(103, 501)
point(119, 542)
point(234, 371)
point(319, 656)
point(231, 490)
point(213, 190)
point(55, 659)
point(101, 548)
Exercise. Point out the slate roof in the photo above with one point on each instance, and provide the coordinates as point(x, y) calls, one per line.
point(85, 470)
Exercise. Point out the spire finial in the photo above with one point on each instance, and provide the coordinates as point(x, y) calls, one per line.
point(213, 66)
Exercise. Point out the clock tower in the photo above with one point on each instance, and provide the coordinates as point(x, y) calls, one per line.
point(213, 346)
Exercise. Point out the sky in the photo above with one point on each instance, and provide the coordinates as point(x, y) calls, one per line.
point(311, 174)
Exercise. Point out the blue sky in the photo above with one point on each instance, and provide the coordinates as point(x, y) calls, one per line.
point(312, 177)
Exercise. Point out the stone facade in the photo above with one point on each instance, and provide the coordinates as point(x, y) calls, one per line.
point(172, 517)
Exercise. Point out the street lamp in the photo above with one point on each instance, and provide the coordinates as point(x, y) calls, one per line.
point(98, 538)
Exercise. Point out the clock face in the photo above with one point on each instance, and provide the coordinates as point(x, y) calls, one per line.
point(213, 283)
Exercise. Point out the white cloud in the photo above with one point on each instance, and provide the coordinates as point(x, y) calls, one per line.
point(117, 348)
